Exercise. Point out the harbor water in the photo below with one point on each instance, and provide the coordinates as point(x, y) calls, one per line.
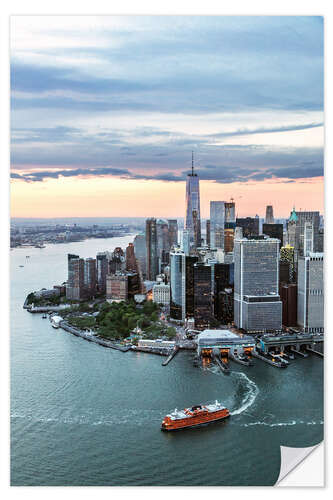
point(82, 414)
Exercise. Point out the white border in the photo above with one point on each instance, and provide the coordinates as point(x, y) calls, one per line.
point(75, 7)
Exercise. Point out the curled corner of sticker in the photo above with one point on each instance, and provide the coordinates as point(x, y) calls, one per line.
point(291, 458)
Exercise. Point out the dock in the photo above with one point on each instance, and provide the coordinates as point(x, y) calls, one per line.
point(313, 351)
point(151, 350)
point(240, 361)
point(221, 364)
point(278, 364)
point(300, 353)
point(171, 356)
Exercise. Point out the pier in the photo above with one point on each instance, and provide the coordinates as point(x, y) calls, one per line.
point(221, 364)
point(278, 364)
point(321, 354)
point(294, 342)
point(300, 353)
point(171, 356)
point(240, 361)
point(151, 350)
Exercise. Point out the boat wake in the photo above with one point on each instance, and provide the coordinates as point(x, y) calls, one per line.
point(284, 424)
point(251, 392)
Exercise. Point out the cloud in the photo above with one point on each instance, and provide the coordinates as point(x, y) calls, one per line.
point(139, 93)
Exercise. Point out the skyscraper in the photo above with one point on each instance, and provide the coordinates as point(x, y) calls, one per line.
point(217, 219)
point(192, 217)
point(274, 231)
point(203, 295)
point(250, 226)
point(310, 299)
point(269, 219)
point(185, 241)
point(257, 304)
point(151, 249)
point(117, 261)
point(89, 277)
point(163, 247)
point(177, 285)
point(173, 232)
point(208, 233)
point(300, 232)
point(141, 252)
point(229, 226)
point(75, 282)
point(130, 258)
point(102, 270)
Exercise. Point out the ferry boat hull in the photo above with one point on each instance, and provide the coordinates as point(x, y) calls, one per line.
point(193, 426)
point(194, 417)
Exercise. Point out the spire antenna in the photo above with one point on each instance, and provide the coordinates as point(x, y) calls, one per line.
point(192, 164)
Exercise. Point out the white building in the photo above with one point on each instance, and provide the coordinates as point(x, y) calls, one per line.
point(161, 293)
point(156, 343)
point(257, 304)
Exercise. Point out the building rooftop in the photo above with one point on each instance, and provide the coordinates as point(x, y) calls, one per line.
point(213, 334)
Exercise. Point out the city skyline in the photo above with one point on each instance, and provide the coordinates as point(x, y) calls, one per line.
point(106, 110)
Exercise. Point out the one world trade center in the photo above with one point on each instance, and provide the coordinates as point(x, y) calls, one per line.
point(192, 219)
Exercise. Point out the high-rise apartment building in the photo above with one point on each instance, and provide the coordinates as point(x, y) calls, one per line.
point(192, 216)
point(90, 280)
point(151, 249)
point(75, 282)
point(140, 251)
point(269, 219)
point(122, 286)
point(310, 300)
point(101, 270)
point(117, 263)
point(130, 258)
point(257, 304)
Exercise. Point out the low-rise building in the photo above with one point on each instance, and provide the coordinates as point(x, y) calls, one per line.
point(161, 293)
point(45, 294)
point(158, 343)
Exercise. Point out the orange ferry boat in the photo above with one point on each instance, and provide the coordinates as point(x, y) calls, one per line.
point(195, 416)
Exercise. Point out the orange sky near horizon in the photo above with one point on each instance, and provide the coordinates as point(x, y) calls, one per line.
point(114, 197)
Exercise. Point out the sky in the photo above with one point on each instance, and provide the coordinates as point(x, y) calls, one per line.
point(106, 111)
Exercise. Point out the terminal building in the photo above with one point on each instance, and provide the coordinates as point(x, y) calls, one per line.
point(224, 340)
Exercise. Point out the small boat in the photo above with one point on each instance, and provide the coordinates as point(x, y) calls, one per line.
point(21, 265)
point(44, 316)
point(194, 417)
